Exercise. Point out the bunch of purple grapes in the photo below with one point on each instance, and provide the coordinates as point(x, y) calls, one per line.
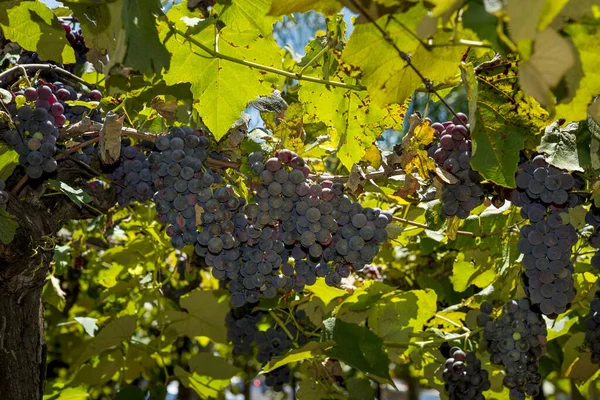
point(516, 340)
point(453, 153)
point(38, 112)
point(463, 376)
point(544, 193)
point(132, 173)
point(542, 188)
point(3, 195)
point(181, 182)
point(546, 246)
point(75, 39)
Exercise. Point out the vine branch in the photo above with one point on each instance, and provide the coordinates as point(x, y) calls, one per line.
point(48, 67)
point(266, 68)
point(404, 56)
point(430, 343)
point(462, 233)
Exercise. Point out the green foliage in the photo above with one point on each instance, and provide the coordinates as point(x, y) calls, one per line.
point(122, 306)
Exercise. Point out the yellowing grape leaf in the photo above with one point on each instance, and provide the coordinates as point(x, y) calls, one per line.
point(414, 156)
point(357, 122)
point(204, 316)
point(507, 121)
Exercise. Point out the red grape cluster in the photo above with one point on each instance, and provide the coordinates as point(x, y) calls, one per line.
point(453, 153)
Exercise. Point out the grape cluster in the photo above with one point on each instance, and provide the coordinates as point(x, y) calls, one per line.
point(516, 340)
point(546, 246)
point(543, 195)
point(592, 326)
point(453, 153)
point(464, 379)
point(542, 187)
point(242, 328)
point(182, 184)
point(75, 39)
point(132, 174)
point(3, 195)
point(242, 331)
point(37, 113)
point(593, 218)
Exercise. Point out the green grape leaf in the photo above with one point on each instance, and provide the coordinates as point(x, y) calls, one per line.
point(8, 227)
point(507, 121)
point(306, 352)
point(221, 88)
point(283, 7)
point(325, 292)
point(77, 196)
point(466, 272)
point(360, 388)
point(206, 364)
point(9, 159)
point(119, 330)
point(559, 143)
point(204, 316)
point(399, 314)
point(206, 386)
point(561, 326)
point(72, 393)
point(99, 373)
point(387, 76)
point(139, 24)
point(35, 27)
point(356, 346)
point(577, 364)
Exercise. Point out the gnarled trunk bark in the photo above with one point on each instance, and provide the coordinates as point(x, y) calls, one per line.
point(22, 346)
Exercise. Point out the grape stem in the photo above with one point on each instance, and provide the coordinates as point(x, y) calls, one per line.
point(430, 343)
point(464, 328)
point(282, 326)
point(266, 68)
point(462, 233)
point(49, 67)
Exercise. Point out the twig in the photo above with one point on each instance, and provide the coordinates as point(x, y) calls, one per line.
point(50, 67)
point(370, 175)
point(464, 328)
point(266, 68)
point(405, 57)
point(285, 329)
point(315, 58)
point(429, 343)
point(462, 233)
